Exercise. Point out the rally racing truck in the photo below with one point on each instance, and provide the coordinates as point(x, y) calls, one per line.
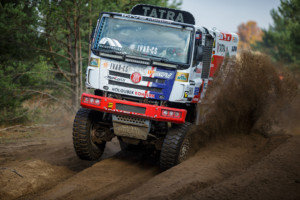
point(148, 70)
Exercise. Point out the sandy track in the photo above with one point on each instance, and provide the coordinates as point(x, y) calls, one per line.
point(231, 167)
point(275, 176)
point(213, 164)
point(104, 180)
point(42, 161)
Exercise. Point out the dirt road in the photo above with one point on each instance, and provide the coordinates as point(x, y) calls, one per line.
point(227, 166)
point(230, 167)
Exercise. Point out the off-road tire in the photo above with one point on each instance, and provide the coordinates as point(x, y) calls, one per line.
point(84, 147)
point(173, 144)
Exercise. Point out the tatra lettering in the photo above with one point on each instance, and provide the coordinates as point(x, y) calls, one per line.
point(145, 10)
point(179, 18)
point(161, 16)
point(170, 15)
point(153, 13)
point(166, 14)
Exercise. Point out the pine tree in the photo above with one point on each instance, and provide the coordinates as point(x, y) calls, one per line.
point(20, 66)
point(282, 40)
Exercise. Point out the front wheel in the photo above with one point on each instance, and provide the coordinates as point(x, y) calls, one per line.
point(85, 145)
point(176, 146)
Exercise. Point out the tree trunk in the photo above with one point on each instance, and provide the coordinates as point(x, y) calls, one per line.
point(80, 63)
point(76, 70)
point(90, 28)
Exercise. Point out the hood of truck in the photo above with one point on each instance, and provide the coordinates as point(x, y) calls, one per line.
point(136, 80)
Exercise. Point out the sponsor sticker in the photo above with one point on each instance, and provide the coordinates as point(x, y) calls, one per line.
point(234, 48)
point(95, 62)
point(147, 49)
point(119, 67)
point(182, 77)
point(225, 37)
point(105, 64)
point(115, 78)
point(145, 95)
point(220, 47)
point(123, 91)
point(159, 74)
point(191, 90)
point(196, 92)
point(186, 94)
point(136, 77)
point(105, 87)
point(110, 105)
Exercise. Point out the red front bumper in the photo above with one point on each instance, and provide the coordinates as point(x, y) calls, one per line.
point(122, 107)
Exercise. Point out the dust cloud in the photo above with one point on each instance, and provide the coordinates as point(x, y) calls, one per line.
point(248, 94)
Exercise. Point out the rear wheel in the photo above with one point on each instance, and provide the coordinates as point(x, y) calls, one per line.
point(84, 129)
point(176, 146)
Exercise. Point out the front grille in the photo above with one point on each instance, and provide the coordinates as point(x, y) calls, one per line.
point(139, 87)
point(154, 80)
point(119, 74)
point(207, 52)
point(131, 120)
point(129, 108)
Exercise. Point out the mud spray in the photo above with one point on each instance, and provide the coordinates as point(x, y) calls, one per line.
point(249, 94)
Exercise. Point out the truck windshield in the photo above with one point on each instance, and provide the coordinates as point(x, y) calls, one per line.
point(153, 41)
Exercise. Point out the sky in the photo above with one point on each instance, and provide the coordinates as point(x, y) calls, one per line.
point(226, 15)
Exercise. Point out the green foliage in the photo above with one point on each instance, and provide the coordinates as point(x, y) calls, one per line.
point(42, 45)
point(19, 81)
point(18, 27)
point(124, 6)
point(282, 40)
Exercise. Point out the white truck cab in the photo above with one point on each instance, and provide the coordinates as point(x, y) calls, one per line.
point(148, 70)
